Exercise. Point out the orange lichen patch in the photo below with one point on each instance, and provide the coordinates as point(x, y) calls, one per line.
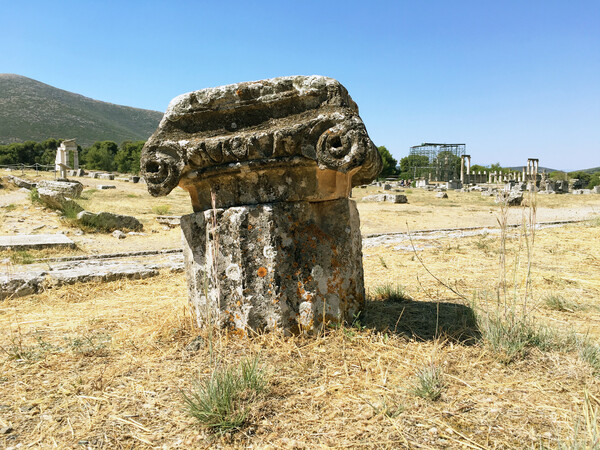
point(262, 271)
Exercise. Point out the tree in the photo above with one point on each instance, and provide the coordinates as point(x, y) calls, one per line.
point(583, 176)
point(412, 166)
point(100, 155)
point(557, 175)
point(447, 164)
point(594, 180)
point(389, 163)
point(127, 159)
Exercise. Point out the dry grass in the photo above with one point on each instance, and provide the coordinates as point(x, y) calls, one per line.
point(105, 365)
point(121, 386)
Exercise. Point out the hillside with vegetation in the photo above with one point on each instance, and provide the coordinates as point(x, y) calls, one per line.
point(34, 111)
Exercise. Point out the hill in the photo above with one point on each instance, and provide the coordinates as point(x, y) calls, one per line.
point(590, 171)
point(30, 110)
point(540, 169)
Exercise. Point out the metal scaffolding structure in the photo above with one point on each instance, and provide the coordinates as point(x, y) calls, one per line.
point(444, 160)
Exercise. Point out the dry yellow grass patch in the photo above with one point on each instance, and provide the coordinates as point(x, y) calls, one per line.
point(104, 365)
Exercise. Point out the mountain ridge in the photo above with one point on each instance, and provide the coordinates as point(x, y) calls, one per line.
point(32, 110)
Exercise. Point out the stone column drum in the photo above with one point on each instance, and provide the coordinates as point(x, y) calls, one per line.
point(274, 242)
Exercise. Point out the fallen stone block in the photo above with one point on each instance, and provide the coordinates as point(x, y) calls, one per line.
point(512, 198)
point(20, 182)
point(441, 195)
point(170, 221)
point(391, 198)
point(106, 176)
point(109, 221)
point(106, 186)
point(18, 285)
point(71, 189)
point(25, 241)
point(105, 272)
point(56, 200)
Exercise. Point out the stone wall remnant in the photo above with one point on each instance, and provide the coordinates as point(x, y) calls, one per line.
point(274, 240)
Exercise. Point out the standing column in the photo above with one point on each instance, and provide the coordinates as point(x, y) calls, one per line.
point(462, 168)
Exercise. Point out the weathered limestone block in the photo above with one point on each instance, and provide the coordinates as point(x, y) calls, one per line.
point(274, 242)
point(285, 139)
point(56, 200)
point(109, 221)
point(391, 198)
point(20, 182)
point(71, 189)
point(511, 198)
point(287, 265)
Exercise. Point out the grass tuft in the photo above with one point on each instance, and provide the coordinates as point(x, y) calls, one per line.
point(559, 303)
point(161, 210)
point(34, 196)
point(391, 293)
point(429, 383)
point(21, 257)
point(223, 401)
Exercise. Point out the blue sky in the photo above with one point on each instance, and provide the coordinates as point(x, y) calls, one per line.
point(511, 79)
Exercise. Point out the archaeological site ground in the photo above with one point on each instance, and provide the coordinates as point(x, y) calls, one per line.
point(473, 336)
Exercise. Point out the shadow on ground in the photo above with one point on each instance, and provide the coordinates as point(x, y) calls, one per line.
point(422, 320)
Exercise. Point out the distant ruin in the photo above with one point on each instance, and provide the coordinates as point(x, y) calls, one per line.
point(62, 157)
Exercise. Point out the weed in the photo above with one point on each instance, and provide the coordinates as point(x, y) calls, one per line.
point(586, 430)
point(483, 243)
point(429, 383)
point(382, 262)
point(590, 353)
point(386, 409)
point(558, 303)
point(92, 345)
point(18, 351)
point(70, 210)
point(222, 402)
point(10, 207)
point(34, 196)
point(513, 336)
point(391, 293)
point(161, 210)
point(21, 257)
point(409, 191)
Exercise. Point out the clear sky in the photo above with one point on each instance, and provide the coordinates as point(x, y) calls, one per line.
point(511, 79)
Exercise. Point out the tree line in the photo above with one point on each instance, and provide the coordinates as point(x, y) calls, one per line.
point(101, 155)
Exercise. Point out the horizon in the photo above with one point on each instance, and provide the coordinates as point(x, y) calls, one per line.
point(510, 80)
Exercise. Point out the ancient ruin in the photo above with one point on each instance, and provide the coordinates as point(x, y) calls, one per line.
point(274, 242)
point(62, 157)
